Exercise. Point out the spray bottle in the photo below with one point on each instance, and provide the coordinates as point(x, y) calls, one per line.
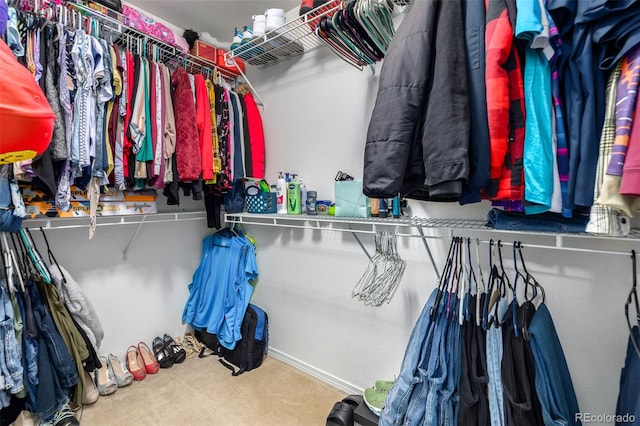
point(303, 197)
point(294, 196)
point(281, 194)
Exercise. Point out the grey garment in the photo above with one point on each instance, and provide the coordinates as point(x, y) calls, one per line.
point(78, 306)
point(58, 142)
point(418, 136)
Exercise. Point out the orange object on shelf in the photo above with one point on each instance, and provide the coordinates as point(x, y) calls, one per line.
point(26, 118)
point(204, 50)
point(228, 64)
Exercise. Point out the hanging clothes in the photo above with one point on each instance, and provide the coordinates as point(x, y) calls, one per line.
point(220, 290)
point(187, 140)
point(256, 137)
point(416, 110)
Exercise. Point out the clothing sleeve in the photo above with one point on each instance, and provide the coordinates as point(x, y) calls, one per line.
point(256, 136)
point(203, 118)
point(498, 41)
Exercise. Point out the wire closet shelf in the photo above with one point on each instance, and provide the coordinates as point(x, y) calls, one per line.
point(446, 228)
point(294, 38)
point(117, 31)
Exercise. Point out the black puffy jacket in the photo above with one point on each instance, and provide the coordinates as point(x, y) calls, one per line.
point(418, 135)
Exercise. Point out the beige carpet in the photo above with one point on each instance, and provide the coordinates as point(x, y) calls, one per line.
point(202, 392)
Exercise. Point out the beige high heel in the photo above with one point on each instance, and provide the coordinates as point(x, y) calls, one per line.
point(91, 393)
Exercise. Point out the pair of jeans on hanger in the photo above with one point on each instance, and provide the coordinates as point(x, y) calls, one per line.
point(425, 391)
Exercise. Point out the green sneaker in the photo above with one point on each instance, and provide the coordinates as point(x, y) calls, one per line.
point(384, 385)
point(374, 398)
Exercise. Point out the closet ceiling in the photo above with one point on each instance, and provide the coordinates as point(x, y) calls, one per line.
point(217, 17)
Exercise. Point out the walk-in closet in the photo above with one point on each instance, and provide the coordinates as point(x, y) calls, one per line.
point(427, 205)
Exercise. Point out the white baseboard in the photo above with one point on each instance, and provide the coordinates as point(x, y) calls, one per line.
point(314, 372)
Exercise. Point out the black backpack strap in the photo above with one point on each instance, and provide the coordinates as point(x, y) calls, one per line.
point(205, 349)
point(230, 367)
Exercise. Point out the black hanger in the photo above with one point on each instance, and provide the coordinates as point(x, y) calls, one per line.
point(633, 295)
point(444, 279)
point(530, 281)
point(52, 258)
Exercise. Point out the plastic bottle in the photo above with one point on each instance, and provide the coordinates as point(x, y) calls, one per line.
point(281, 194)
point(375, 207)
point(396, 206)
point(293, 196)
point(311, 203)
point(303, 196)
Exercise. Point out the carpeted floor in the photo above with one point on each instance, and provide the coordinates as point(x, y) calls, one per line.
point(200, 391)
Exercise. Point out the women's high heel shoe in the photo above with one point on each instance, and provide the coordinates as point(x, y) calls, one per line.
point(123, 377)
point(135, 364)
point(178, 353)
point(162, 354)
point(150, 363)
point(91, 393)
point(105, 382)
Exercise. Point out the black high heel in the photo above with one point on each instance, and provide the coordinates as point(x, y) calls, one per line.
point(164, 357)
point(177, 352)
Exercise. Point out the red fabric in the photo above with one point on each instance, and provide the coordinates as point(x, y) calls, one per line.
point(187, 140)
point(128, 143)
point(505, 105)
point(152, 109)
point(26, 118)
point(203, 118)
point(256, 136)
point(630, 183)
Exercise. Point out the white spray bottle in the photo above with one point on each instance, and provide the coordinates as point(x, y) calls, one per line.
point(281, 194)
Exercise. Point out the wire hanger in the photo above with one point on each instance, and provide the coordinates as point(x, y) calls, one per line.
point(633, 296)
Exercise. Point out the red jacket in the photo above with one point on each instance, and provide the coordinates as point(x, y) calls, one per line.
point(203, 118)
point(505, 106)
point(188, 159)
point(256, 136)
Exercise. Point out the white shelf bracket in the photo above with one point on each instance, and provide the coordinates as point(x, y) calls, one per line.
point(364, 249)
point(426, 246)
point(133, 237)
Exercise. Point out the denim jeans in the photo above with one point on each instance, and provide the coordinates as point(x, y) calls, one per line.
point(397, 400)
point(9, 347)
point(553, 382)
point(57, 373)
point(8, 221)
point(449, 396)
point(494, 362)
point(29, 356)
point(628, 398)
point(544, 222)
point(436, 368)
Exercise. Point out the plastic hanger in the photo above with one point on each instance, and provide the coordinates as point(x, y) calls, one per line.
point(444, 279)
point(633, 297)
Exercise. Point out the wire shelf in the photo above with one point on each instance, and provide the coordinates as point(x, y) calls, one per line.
point(292, 39)
point(441, 228)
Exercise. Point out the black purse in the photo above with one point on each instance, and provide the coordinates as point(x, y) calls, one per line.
point(111, 4)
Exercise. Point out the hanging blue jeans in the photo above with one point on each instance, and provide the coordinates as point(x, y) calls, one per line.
point(629, 399)
point(57, 373)
point(449, 396)
point(395, 406)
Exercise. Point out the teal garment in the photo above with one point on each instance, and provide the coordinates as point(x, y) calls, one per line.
point(146, 149)
point(220, 290)
point(538, 140)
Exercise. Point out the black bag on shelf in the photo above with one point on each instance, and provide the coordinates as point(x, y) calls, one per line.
point(111, 4)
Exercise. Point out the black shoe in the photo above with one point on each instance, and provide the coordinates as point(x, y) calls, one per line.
point(163, 355)
point(65, 417)
point(177, 352)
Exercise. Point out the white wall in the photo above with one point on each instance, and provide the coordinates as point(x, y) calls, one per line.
point(317, 111)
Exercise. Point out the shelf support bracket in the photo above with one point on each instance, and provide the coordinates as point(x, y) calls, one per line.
point(253, 89)
point(364, 249)
point(426, 246)
point(133, 237)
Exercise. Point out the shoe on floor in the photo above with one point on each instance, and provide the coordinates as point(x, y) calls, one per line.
point(91, 393)
point(341, 415)
point(105, 381)
point(64, 417)
point(374, 398)
point(122, 375)
point(384, 385)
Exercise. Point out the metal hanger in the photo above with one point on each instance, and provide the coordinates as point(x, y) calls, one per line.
point(633, 296)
